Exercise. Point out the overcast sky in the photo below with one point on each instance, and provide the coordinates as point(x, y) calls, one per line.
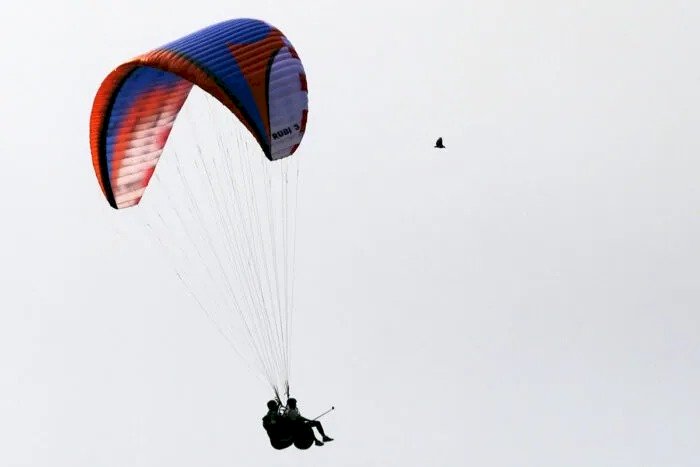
point(528, 297)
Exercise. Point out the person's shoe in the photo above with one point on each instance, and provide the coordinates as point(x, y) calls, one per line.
point(326, 439)
point(318, 443)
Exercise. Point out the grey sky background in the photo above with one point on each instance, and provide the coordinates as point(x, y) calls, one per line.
point(529, 296)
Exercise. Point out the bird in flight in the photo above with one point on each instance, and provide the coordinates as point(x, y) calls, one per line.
point(438, 143)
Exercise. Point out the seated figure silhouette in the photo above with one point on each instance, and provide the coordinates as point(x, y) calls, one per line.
point(303, 426)
point(277, 427)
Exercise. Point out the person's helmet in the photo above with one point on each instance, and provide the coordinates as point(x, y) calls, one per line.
point(272, 405)
point(292, 402)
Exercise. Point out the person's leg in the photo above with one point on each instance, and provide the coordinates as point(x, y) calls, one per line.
point(319, 427)
point(317, 441)
point(316, 424)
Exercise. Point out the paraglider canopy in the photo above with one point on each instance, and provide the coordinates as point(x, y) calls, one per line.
point(246, 64)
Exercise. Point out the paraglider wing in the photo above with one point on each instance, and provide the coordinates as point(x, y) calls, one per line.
point(246, 64)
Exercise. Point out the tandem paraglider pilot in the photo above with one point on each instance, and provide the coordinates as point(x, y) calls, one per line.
point(286, 426)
